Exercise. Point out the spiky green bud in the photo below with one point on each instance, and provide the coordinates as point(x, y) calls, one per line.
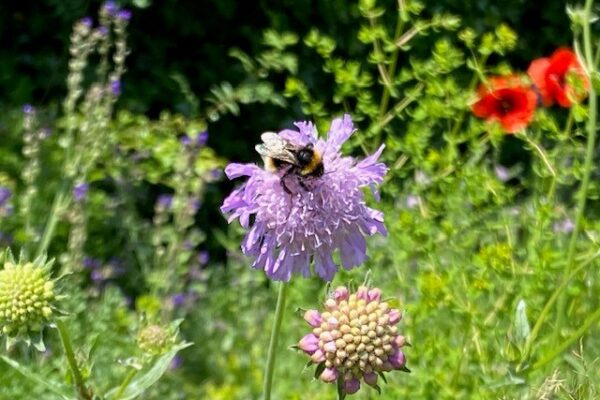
point(27, 298)
point(154, 339)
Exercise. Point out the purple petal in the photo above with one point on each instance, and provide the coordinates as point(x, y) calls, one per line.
point(351, 386)
point(340, 130)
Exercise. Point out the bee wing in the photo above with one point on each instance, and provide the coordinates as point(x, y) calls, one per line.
point(275, 146)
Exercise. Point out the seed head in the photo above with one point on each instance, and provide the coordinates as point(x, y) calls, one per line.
point(153, 339)
point(356, 338)
point(27, 298)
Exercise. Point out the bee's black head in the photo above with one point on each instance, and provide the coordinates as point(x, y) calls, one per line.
point(305, 155)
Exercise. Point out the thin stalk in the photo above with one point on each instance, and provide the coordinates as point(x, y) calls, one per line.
point(591, 143)
point(340, 388)
point(51, 222)
point(592, 319)
point(268, 380)
point(125, 383)
point(548, 306)
point(68, 347)
point(385, 98)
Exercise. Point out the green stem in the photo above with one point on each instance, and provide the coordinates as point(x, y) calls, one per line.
point(268, 380)
point(340, 388)
point(68, 347)
point(51, 222)
point(591, 142)
point(548, 306)
point(125, 383)
point(592, 319)
point(385, 98)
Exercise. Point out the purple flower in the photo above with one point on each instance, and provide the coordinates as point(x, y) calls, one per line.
point(201, 138)
point(203, 257)
point(102, 31)
point(164, 201)
point(412, 201)
point(111, 8)
point(80, 191)
point(115, 87)
point(5, 195)
point(124, 15)
point(564, 226)
point(176, 363)
point(291, 229)
point(28, 109)
point(86, 22)
point(91, 263)
point(178, 299)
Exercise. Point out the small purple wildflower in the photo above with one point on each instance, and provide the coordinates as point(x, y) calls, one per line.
point(290, 230)
point(564, 226)
point(203, 257)
point(194, 205)
point(86, 22)
point(97, 276)
point(164, 201)
point(178, 299)
point(80, 191)
point(201, 138)
point(185, 140)
point(124, 15)
point(502, 173)
point(115, 87)
point(102, 31)
point(176, 363)
point(91, 263)
point(5, 195)
point(28, 109)
point(110, 8)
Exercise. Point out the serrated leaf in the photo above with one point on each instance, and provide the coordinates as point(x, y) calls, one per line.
point(58, 389)
point(148, 378)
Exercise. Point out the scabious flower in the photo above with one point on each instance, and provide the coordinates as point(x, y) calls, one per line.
point(508, 100)
point(355, 339)
point(288, 230)
point(559, 78)
point(27, 299)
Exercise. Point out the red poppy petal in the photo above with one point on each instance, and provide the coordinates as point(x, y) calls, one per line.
point(537, 71)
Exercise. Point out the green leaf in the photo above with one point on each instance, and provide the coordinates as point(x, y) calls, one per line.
point(58, 389)
point(521, 323)
point(150, 377)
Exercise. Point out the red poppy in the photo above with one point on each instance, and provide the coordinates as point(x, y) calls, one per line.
point(508, 100)
point(550, 75)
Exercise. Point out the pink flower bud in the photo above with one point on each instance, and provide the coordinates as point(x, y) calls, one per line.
point(318, 356)
point(395, 316)
point(330, 347)
point(309, 343)
point(351, 386)
point(387, 366)
point(362, 293)
point(374, 294)
point(371, 378)
point(332, 322)
point(340, 293)
point(313, 318)
point(399, 341)
point(329, 375)
point(398, 360)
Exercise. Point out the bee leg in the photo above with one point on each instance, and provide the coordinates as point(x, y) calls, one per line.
point(301, 182)
point(283, 185)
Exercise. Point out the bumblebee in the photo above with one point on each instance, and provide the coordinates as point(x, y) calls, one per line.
point(279, 154)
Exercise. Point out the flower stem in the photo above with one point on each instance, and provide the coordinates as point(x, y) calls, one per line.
point(51, 222)
point(125, 383)
point(340, 388)
point(268, 380)
point(591, 142)
point(68, 347)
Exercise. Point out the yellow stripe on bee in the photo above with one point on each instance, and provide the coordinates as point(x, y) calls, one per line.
point(316, 160)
